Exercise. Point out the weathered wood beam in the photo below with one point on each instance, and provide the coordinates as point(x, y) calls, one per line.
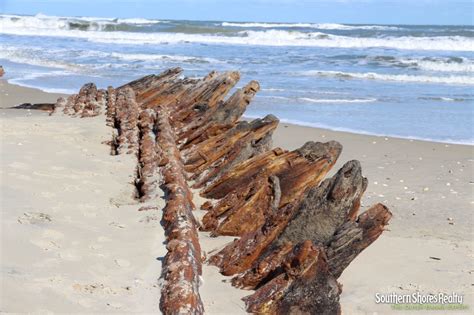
point(89, 102)
point(111, 109)
point(241, 151)
point(182, 263)
point(46, 107)
point(260, 271)
point(161, 83)
point(217, 119)
point(241, 254)
point(275, 162)
point(311, 156)
point(148, 172)
point(323, 210)
point(150, 83)
point(287, 280)
point(304, 285)
point(200, 157)
point(245, 210)
point(327, 207)
point(354, 236)
point(126, 115)
point(168, 93)
point(316, 217)
point(206, 95)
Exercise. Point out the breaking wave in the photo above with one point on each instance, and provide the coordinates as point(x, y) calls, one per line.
point(440, 64)
point(356, 100)
point(124, 31)
point(167, 58)
point(444, 99)
point(465, 80)
point(321, 26)
point(46, 22)
point(322, 100)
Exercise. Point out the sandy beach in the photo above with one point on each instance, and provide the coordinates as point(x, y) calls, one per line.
point(73, 239)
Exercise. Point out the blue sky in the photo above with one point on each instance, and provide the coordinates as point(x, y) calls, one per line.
point(319, 11)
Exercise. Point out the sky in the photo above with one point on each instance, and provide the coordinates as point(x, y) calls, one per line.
point(444, 12)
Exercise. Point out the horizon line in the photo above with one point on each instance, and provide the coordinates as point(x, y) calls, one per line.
point(230, 21)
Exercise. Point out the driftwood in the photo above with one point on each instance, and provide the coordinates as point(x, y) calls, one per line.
point(297, 231)
point(47, 107)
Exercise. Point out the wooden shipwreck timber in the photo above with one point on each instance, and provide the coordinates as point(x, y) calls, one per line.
point(295, 231)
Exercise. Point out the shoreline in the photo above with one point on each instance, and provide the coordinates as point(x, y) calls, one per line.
point(428, 186)
point(39, 91)
point(361, 133)
point(15, 94)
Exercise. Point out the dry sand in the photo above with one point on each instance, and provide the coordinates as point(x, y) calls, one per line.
point(73, 240)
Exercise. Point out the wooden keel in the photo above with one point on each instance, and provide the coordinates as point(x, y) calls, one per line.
point(182, 264)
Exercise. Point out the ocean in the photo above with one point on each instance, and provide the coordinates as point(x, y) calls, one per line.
point(409, 81)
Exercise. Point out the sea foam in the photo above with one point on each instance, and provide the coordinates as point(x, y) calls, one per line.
point(321, 26)
point(93, 30)
point(468, 80)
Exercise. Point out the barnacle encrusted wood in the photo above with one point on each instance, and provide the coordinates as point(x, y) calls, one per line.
point(297, 232)
point(182, 264)
point(89, 102)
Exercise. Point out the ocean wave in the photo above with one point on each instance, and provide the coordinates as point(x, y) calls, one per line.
point(267, 25)
point(332, 26)
point(444, 65)
point(355, 100)
point(167, 58)
point(25, 79)
point(57, 58)
point(321, 26)
point(42, 88)
point(321, 100)
point(438, 64)
point(444, 99)
point(46, 22)
point(62, 28)
point(464, 80)
point(31, 57)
